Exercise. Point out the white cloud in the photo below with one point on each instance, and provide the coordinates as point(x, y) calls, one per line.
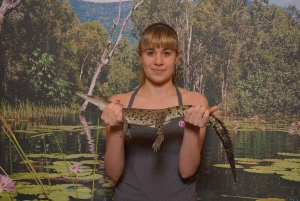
point(286, 3)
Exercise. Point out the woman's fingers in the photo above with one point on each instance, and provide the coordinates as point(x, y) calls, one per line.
point(213, 109)
point(112, 114)
point(197, 116)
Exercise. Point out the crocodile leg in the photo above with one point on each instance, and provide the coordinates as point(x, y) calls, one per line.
point(224, 136)
point(160, 136)
point(159, 130)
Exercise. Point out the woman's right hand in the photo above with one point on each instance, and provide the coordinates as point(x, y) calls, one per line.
point(112, 114)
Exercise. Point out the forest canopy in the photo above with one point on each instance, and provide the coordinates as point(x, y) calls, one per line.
point(241, 54)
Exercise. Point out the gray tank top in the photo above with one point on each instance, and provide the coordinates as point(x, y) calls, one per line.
point(154, 176)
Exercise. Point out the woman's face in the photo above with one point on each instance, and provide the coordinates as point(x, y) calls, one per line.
point(158, 64)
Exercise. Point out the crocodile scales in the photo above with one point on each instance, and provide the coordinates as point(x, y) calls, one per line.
point(157, 117)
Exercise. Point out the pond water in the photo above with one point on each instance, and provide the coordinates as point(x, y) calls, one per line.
point(80, 138)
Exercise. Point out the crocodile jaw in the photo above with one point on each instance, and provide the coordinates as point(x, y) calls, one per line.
point(96, 100)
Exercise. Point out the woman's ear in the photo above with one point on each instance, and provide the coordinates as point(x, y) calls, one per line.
point(140, 56)
point(138, 53)
point(178, 55)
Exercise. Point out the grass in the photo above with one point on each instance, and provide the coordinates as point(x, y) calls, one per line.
point(7, 130)
point(26, 110)
point(45, 190)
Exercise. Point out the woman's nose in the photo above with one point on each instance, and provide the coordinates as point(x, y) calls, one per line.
point(158, 60)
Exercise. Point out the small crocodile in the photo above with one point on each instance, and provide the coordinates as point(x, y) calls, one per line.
point(150, 117)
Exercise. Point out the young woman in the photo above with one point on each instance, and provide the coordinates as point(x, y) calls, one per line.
point(166, 175)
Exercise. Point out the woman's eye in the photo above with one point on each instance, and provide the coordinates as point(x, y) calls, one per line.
point(150, 53)
point(167, 53)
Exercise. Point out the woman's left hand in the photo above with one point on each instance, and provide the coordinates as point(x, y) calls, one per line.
point(198, 115)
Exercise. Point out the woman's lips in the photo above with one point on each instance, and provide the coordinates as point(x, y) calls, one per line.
point(158, 70)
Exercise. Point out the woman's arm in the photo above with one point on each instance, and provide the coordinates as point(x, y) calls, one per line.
point(194, 133)
point(114, 155)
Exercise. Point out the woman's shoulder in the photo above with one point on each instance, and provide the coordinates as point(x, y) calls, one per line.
point(193, 98)
point(124, 98)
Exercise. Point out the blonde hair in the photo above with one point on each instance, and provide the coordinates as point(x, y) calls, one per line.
point(155, 36)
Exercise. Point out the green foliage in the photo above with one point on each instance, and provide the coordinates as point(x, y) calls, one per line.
point(45, 81)
point(270, 63)
point(244, 55)
point(121, 74)
point(266, 94)
point(61, 48)
point(35, 25)
point(83, 46)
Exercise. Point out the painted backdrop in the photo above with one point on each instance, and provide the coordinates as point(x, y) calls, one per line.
point(242, 55)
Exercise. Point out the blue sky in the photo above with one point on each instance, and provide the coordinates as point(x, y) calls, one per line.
point(286, 3)
point(277, 2)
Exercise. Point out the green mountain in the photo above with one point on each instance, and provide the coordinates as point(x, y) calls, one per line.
point(106, 14)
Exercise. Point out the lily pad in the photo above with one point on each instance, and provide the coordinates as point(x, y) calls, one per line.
point(288, 154)
point(63, 169)
point(227, 166)
point(87, 177)
point(28, 161)
point(56, 192)
point(27, 175)
point(58, 195)
point(64, 163)
point(92, 162)
point(29, 189)
point(296, 160)
point(7, 196)
point(248, 161)
point(74, 156)
point(270, 199)
point(295, 177)
point(261, 171)
point(286, 173)
point(272, 160)
point(109, 184)
point(286, 164)
point(264, 169)
point(39, 155)
point(103, 191)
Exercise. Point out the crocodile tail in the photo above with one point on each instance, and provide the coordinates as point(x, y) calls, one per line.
point(224, 136)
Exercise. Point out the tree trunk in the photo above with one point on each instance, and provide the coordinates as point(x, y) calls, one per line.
point(5, 8)
point(187, 64)
point(82, 65)
point(108, 52)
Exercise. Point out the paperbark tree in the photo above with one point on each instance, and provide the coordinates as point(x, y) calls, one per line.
point(5, 8)
point(108, 52)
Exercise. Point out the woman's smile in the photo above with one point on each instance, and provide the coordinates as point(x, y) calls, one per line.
point(158, 70)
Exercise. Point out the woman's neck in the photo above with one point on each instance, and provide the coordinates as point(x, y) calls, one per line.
point(157, 91)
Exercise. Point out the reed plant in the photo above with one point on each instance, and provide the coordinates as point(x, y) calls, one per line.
point(27, 110)
point(9, 133)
